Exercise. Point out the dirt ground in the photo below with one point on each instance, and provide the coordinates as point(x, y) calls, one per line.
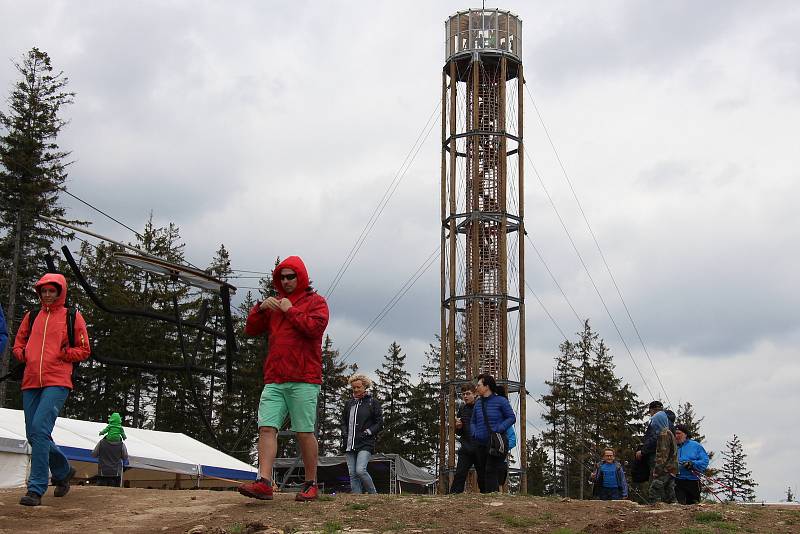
point(89, 509)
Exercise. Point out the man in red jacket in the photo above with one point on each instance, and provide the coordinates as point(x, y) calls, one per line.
point(295, 321)
point(45, 349)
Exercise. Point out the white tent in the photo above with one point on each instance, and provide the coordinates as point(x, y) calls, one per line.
point(156, 459)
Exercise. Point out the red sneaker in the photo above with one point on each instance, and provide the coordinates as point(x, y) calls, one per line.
point(260, 489)
point(308, 493)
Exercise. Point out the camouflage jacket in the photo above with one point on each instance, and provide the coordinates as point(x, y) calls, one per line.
point(666, 462)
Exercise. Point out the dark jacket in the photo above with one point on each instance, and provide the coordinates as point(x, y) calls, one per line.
point(500, 414)
point(465, 414)
point(361, 433)
point(110, 457)
point(295, 337)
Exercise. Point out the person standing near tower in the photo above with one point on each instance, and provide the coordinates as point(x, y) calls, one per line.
point(295, 322)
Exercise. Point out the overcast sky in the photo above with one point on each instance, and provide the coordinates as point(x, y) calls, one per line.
point(276, 127)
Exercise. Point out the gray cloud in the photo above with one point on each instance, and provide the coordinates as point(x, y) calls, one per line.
point(276, 128)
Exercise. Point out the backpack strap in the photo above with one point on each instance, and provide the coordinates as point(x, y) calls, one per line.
point(71, 313)
point(31, 318)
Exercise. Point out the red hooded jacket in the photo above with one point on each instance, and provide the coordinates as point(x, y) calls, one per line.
point(44, 347)
point(295, 337)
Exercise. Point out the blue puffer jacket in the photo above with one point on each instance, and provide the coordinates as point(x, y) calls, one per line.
point(657, 422)
point(501, 416)
point(691, 451)
point(3, 332)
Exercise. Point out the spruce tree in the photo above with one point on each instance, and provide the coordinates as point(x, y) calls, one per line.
point(393, 389)
point(423, 414)
point(587, 408)
point(538, 468)
point(735, 476)
point(32, 172)
point(332, 396)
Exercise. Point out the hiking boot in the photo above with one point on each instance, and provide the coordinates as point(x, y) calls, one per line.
point(260, 489)
point(62, 486)
point(309, 492)
point(31, 499)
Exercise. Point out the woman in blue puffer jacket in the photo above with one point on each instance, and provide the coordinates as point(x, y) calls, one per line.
point(693, 461)
point(500, 417)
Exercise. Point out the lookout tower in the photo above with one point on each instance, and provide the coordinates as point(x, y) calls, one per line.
point(482, 207)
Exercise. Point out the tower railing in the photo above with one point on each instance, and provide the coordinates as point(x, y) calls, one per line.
point(483, 29)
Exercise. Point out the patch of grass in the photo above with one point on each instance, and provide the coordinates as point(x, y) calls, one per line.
point(236, 528)
point(546, 516)
point(722, 525)
point(707, 517)
point(515, 521)
point(289, 529)
point(693, 530)
point(564, 530)
point(359, 506)
point(331, 527)
point(326, 498)
point(643, 530)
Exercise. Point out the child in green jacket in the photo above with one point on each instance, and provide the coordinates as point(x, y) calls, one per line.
point(114, 431)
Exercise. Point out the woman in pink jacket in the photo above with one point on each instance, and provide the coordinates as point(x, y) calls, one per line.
point(44, 347)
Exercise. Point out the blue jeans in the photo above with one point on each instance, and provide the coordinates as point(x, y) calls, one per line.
point(360, 480)
point(609, 494)
point(41, 407)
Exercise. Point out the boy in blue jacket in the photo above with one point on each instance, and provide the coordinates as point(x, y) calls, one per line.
point(693, 461)
point(609, 479)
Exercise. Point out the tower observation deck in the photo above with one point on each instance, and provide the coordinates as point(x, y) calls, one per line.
point(482, 208)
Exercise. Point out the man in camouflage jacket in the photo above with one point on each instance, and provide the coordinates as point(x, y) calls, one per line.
point(665, 468)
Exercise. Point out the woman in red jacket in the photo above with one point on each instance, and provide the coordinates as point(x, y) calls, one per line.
point(45, 349)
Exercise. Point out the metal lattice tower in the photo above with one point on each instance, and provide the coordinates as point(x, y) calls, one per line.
point(482, 268)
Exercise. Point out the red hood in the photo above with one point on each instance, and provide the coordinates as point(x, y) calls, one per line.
point(296, 264)
point(58, 280)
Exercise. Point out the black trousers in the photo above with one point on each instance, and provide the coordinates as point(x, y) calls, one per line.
point(467, 458)
point(107, 481)
point(687, 491)
point(492, 468)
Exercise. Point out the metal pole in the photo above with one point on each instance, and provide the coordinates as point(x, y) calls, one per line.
point(451, 332)
point(443, 348)
point(523, 392)
point(98, 236)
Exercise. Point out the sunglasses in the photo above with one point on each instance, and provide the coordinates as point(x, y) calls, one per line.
point(288, 276)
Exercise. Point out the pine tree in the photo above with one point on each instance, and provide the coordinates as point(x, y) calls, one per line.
point(423, 416)
point(540, 480)
point(32, 172)
point(332, 396)
point(393, 389)
point(588, 408)
point(735, 476)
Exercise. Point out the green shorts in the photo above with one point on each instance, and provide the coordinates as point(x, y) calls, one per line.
point(296, 399)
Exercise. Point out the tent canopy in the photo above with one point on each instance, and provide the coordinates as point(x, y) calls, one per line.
point(166, 452)
point(391, 473)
